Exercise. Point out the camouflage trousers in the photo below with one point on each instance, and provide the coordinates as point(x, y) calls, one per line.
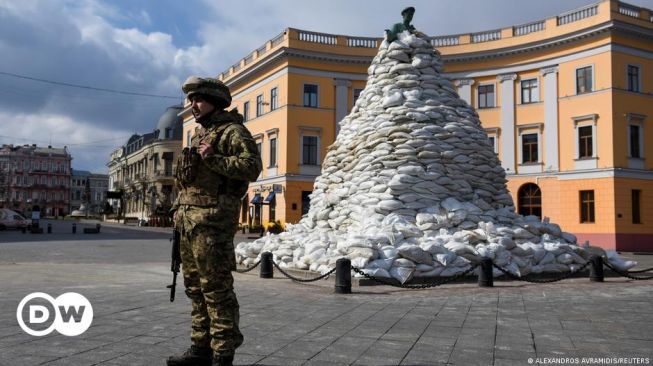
point(207, 255)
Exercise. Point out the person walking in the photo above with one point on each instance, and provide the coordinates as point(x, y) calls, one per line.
point(212, 175)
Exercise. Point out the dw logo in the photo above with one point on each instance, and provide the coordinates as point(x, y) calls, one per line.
point(70, 314)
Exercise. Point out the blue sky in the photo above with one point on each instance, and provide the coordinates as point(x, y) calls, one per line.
point(152, 46)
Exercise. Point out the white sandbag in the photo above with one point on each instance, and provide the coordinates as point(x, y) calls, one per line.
point(620, 263)
point(402, 274)
point(381, 263)
point(415, 254)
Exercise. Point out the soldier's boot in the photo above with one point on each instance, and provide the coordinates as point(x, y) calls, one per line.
point(194, 356)
point(223, 360)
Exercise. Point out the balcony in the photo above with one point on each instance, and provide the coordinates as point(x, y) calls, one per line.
point(163, 174)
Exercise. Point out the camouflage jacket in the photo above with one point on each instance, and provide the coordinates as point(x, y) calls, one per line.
point(234, 163)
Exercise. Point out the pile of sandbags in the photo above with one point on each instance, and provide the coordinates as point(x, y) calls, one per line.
point(412, 187)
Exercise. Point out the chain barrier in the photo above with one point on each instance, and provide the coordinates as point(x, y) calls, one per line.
point(303, 279)
point(626, 273)
point(520, 278)
point(249, 268)
point(418, 286)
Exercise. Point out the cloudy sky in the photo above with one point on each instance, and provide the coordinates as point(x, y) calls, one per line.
point(150, 47)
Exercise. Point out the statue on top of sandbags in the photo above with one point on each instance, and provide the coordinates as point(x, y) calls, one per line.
point(407, 13)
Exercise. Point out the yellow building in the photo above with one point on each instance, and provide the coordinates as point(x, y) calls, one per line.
point(567, 101)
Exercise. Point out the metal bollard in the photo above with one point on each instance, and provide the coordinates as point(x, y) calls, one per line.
point(74, 228)
point(24, 228)
point(343, 276)
point(49, 228)
point(485, 278)
point(596, 268)
point(98, 226)
point(267, 270)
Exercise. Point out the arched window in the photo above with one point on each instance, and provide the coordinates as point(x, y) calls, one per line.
point(530, 200)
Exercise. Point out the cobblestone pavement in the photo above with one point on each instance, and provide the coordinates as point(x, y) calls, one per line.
point(124, 271)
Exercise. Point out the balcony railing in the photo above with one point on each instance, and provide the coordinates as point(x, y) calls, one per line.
point(629, 10)
point(163, 173)
point(364, 42)
point(445, 41)
point(314, 37)
point(579, 14)
point(278, 39)
point(488, 36)
point(523, 29)
point(249, 58)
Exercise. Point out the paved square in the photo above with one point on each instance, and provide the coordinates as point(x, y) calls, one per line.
point(124, 271)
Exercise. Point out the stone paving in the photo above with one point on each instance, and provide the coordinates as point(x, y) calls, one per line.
point(123, 272)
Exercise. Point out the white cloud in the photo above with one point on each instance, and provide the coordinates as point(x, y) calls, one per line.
point(89, 144)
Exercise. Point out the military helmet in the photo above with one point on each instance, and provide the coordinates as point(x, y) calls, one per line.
point(213, 90)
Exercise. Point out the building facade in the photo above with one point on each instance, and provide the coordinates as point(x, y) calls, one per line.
point(143, 169)
point(567, 102)
point(35, 178)
point(94, 185)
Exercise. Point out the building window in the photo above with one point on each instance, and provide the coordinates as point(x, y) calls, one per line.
point(586, 206)
point(634, 135)
point(584, 80)
point(635, 198)
point(274, 99)
point(259, 105)
point(258, 147)
point(529, 148)
point(633, 78)
point(493, 143)
point(530, 200)
point(310, 95)
point(309, 149)
point(306, 202)
point(357, 94)
point(486, 96)
point(273, 210)
point(246, 111)
point(529, 91)
point(273, 152)
point(585, 142)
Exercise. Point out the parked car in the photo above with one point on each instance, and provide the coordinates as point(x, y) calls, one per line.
point(12, 219)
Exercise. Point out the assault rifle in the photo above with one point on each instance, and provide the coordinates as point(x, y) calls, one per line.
point(176, 261)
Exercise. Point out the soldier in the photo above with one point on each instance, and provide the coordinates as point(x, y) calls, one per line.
point(213, 176)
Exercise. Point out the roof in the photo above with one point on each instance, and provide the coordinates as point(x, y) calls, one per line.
point(79, 173)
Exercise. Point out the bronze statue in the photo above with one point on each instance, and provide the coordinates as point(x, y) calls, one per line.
point(391, 34)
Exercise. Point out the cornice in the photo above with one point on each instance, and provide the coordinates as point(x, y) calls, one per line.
point(507, 77)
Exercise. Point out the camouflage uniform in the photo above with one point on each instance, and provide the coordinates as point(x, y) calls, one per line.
point(207, 209)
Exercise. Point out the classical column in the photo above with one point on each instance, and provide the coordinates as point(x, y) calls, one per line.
point(508, 122)
point(465, 89)
point(550, 75)
point(342, 86)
